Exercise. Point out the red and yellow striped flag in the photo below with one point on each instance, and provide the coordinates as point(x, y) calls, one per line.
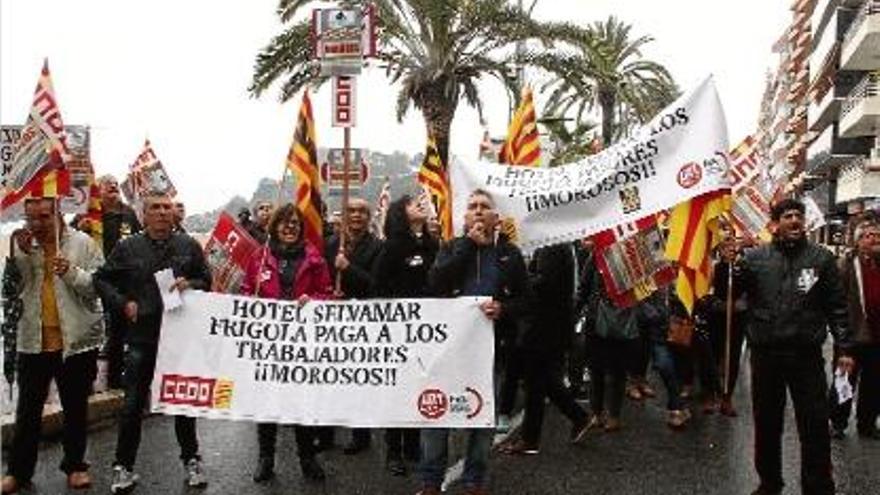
point(694, 230)
point(302, 160)
point(38, 159)
point(432, 175)
point(522, 146)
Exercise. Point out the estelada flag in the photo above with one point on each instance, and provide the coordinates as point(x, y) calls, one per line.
point(38, 164)
point(631, 259)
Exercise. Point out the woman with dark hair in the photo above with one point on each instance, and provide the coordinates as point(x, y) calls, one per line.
point(287, 268)
point(402, 271)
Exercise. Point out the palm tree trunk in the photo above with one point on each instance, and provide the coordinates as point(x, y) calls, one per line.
point(607, 103)
point(438, 112)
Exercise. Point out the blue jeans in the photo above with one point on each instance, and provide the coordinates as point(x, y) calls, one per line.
point(435, 453)
point(664, 363)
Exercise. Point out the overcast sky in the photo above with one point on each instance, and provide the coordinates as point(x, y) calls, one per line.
point(177, 72)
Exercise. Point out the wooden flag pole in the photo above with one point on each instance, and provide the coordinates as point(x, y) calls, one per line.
point(275, 206)
point(728, 326)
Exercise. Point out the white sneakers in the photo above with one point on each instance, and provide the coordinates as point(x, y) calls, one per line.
point(195, 475)
point(124, 480)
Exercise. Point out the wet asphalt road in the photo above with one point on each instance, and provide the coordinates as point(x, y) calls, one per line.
point(713, 456)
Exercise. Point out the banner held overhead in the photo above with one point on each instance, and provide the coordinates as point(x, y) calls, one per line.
point(679, 155)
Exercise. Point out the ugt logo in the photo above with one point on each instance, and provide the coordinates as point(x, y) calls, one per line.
point(690, 175)
point(433, 403)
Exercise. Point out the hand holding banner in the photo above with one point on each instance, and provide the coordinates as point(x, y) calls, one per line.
point(373, 363)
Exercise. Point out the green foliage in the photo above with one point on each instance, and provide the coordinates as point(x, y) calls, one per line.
point(437, 50)
point(600, 67)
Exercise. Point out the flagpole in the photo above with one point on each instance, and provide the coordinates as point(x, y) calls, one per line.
point(728, 326)
point(275, 206)
point(343, 232)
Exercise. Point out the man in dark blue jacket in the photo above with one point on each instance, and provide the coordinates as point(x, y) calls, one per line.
point(479, 263)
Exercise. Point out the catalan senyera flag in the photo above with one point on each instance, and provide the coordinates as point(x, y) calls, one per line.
point(38, 162)
point(302, 160)
point(433, 176)
point(522, 146)
point(694, 230)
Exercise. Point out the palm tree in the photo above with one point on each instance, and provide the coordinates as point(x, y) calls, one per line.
point(571, 140)
point(602, 67)
point(437, 50)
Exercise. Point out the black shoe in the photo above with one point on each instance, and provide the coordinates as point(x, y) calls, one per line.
point(869, 433)
point(765, 490)
point(396, 466)
point(311, 470)
point(265, 470)
point(354, 448)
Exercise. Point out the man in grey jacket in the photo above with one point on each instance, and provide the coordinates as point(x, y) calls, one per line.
point(59, 336)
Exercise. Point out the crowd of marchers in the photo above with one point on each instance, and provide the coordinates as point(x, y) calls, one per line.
point(558, 335)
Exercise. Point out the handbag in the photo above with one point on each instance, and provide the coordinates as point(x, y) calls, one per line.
point(681, 331)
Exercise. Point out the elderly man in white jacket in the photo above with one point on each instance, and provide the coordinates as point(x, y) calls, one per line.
point(58, 338)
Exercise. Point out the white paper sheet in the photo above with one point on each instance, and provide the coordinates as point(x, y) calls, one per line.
point(842, 386)
point(170, 298)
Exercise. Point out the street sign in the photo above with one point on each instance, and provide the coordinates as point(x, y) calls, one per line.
point(333, 170)
point(344, 103)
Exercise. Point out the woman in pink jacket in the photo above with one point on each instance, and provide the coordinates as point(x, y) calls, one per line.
point(287, 268)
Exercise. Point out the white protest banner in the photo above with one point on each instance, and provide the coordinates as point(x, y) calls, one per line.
point(680, 154)
point(371, 363)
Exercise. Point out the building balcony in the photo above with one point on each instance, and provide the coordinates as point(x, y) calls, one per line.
point(861, 42)
point(822, 13)
point(829, 151)
point(858, 179)
point(860, 112)
point(825, 110)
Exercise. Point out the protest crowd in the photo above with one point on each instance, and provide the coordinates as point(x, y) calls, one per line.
point(553, 320)
point(578, 318)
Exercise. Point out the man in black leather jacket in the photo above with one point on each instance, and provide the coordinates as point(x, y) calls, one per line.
point(128, 284)
point(794, 292)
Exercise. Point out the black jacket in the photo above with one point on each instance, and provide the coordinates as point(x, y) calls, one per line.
point(458, 258)
point(357, 280)
point(403, 264)
point(117, 225)
point(128, 275)
point(793, 293)
point(551, 279)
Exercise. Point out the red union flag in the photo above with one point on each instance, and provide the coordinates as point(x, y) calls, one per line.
point(38, 160)
point(227, 252)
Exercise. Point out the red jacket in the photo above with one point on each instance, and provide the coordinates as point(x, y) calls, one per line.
point(312, 276)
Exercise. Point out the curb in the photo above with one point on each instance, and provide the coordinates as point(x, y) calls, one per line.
point(102, 405)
